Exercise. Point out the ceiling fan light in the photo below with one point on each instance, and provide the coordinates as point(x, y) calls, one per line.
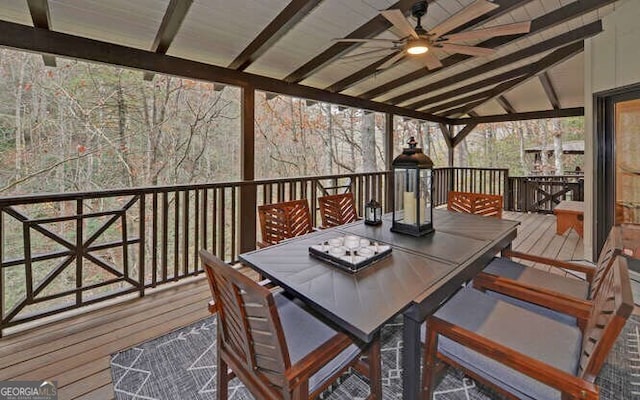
point(418, 49)
point(419, 46)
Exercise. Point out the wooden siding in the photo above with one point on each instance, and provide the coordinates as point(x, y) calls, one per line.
point(76, 351)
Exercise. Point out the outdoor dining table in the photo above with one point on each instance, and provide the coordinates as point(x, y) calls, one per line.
point(418, 275)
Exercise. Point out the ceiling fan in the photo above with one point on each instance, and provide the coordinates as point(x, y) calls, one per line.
point(419, 41)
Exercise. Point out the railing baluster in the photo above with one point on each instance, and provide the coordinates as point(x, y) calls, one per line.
point(154, 238)
point(123, 238)
point(222, 238)
point(142, 234)
point(214, 222)
point(196, 231)
point(234, 239)
point(176, 235)
point(79, 250)
point(185, 233)
point(165, 236)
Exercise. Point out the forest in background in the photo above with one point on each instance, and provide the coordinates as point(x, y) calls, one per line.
point(85, 127)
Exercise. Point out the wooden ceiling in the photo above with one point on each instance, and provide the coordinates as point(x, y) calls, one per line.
point(286, 46)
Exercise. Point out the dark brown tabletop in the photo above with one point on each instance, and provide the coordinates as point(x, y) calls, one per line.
point(419, 275)
point(358, 302)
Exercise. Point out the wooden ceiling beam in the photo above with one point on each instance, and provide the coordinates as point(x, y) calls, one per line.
point(549, 90)
point(544, 64)
point(463, 133)
point(487, 119)
point(60, 44)
point(506, 6)
point(171, 21)
point(506, 105)
point(493, 80)
point(293, 13)
point(41, 17)
point(573, 36)
point(369, 29)
point(570, 11)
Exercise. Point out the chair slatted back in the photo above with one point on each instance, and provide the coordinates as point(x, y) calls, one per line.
point(611, 309)
point(284, 220)
point(489, 205)
point(612, 247)
point(249, 324)
point(338, 209)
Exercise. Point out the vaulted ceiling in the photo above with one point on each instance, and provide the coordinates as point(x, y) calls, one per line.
point(292, 41)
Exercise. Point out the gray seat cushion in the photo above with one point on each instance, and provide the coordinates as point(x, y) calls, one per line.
point(304, 333)
point(531, 276)
point(537, 336)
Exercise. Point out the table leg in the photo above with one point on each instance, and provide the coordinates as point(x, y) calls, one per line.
point(411, 358)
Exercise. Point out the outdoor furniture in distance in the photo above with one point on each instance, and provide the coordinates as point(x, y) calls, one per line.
point(276, 347)
point(560, 293)
point(524, 354)
point(337, 209)
point(285, 220)
point(569, 214)
point(489, 205)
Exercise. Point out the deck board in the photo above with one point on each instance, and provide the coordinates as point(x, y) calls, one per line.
point(76, 351)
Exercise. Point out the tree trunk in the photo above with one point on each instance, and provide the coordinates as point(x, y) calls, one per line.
point(368, 138)
point(557, 147)
point(18, 119)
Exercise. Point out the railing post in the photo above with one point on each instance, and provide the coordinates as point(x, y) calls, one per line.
point(248, 193)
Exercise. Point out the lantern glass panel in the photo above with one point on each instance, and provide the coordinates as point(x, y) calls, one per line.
point(405, 196)
point(425, 197)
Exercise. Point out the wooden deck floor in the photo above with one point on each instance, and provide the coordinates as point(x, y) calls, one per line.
point(76, 351)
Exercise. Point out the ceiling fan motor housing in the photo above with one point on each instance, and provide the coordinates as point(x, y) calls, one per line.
point(418, 10)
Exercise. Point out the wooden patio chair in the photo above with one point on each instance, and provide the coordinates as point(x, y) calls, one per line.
point(337, 209)
point(560, 294)
point(521, 353)
point(282, 221)
point(274, 346)
point(489, 205)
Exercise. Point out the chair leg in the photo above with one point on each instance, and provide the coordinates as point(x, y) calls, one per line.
point(375, 369)
point(431, 364)
point(301, 392)
point(222, 378)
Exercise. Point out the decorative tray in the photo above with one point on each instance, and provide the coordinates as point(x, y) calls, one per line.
point(350, 253)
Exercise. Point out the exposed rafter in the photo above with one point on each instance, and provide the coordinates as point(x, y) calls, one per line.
point(487, 119)
point(60, 44)
point(173, 17)
point(369, 29)
point(554, 18)
point(39, 10)
point(506, 105)
point(506, 6)
point(493, 80)
point(544, 64)
point(293, 13)
point(573, 36)
point(549, 90)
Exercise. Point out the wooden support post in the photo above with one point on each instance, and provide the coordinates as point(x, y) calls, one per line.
point(248, 193)
point(388, 154)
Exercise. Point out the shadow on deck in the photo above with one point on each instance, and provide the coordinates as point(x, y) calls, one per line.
point(76, 351)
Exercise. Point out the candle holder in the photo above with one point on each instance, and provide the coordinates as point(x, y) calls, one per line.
point(413, 180)
point(373, 213)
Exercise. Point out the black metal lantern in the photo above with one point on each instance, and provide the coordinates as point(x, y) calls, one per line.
point(413, 205)
point(373, 213)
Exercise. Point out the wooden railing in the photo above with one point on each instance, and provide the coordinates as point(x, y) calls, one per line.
point(63, 251)
point(542, 193)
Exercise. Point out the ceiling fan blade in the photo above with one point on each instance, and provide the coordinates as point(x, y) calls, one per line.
point(430, 60)
point(366, 53)
point(471, 12)
point(397, 18)
point(347, 40)
point(487, 33)
point(468, 50)
point(391, 61)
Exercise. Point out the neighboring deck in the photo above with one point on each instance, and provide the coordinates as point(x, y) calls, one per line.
point(76, 351)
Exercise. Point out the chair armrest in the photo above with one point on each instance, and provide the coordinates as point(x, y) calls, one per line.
point(318, 358)
point(589, 271)
point(262, 245)
point(547, 374)
point(555, 301)
point(212, 306)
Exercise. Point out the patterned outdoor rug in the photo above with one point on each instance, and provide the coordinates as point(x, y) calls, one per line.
point(181, 365)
